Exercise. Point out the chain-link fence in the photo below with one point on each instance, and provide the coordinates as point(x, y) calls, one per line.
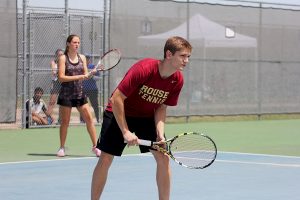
point(245, 58)
point(44, 31)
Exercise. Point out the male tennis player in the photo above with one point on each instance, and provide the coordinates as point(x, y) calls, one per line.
point(137, 110)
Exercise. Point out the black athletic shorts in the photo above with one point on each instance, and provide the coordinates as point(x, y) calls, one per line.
point(111, 139)
point(72, 102)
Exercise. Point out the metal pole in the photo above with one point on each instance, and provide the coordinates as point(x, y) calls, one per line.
point(93, 33)
point(188, 69)
point(259, 78)
point(30, 60)
point(24, 96)
point(103, 50)
point(104, 25)
point(81, 33)
point(67, 24)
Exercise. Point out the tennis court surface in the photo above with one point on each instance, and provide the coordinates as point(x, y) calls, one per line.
point(233, 176)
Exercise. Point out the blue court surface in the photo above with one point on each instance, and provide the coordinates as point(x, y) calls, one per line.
point(233, 176)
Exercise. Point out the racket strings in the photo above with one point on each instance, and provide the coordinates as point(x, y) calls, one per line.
point(110, 59)
point(193, 150)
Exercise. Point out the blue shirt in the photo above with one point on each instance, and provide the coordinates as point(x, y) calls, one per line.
point(90, 84)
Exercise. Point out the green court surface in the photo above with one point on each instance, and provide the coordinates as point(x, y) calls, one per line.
point(277, 137)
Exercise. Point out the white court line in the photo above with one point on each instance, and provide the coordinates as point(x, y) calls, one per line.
point(52, 160)
point(258, 154)
point(66, 159)
point(259, 163)
point(149, 154)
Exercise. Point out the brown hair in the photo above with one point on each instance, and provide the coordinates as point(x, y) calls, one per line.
point(176, 43)
point(69, 39)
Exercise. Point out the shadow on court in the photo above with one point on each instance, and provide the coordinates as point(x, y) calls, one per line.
point(232, 177)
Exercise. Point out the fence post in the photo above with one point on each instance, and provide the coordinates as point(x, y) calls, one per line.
point(24, 60)
point(67, 22)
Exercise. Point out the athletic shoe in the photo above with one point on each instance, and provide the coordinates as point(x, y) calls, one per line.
point(61, 152)
point(96, 151)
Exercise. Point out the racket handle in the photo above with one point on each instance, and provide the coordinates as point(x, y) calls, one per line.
point(145, 143)
point(90, 75)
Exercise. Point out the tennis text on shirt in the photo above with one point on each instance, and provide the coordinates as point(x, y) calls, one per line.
point(153, 95)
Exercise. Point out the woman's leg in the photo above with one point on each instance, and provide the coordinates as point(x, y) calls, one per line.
point(65, 115)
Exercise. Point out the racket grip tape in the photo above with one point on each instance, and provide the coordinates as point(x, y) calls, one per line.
point(145, 143)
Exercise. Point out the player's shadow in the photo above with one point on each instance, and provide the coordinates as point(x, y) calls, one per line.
point(54, 155)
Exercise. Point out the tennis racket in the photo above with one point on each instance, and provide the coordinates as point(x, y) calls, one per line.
point(108, 61)
point(192, 150)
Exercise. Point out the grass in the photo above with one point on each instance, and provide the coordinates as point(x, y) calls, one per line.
point(278, 137)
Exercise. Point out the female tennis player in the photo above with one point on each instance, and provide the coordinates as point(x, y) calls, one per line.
point(137, 110)
point(72, 70)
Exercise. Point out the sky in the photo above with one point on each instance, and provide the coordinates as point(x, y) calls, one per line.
point(292, 2)
point(98, 4)
point(287, 2)
point(73, 4)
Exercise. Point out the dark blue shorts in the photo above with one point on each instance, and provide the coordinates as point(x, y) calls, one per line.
point(72, 102)
point(111, 139)
point(55, 88)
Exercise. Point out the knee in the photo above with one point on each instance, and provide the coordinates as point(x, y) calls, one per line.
point(163, 160)
point(64, 123)
point(86, 115)
point(88, 119)
point(105, 160)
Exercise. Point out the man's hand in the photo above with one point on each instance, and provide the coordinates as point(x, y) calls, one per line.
point(130, 138)
point(161, 141)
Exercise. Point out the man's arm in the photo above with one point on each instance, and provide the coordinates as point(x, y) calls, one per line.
point(160, 118)
point(117, 102)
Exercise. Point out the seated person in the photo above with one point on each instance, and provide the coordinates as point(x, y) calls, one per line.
point(39, 112)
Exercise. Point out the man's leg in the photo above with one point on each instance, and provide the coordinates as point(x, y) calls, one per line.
point(39, 120)
point(163, 175)
point(100, 175)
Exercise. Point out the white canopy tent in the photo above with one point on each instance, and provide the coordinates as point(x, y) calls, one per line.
point(202, 32)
